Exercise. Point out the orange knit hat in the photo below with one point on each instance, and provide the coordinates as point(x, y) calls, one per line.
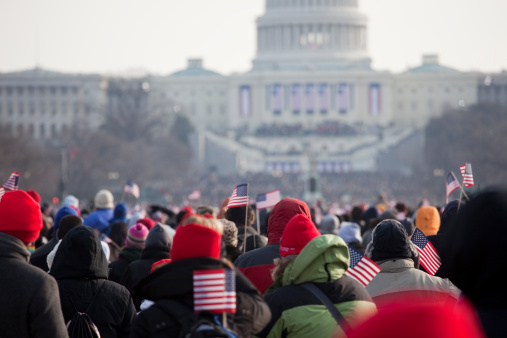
point(428, 220)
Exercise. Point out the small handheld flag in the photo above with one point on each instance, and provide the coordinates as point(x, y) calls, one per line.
point(214, 291)
point(361, 267)
point(451, 185)
point(194, 195)
point(13, 182)
point(2, 192)
point(468, 177)
point(429, 257)
point(132, 188)
point(267, 200)
point(239, 196)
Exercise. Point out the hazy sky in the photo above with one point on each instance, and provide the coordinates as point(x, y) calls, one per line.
point(110, 36)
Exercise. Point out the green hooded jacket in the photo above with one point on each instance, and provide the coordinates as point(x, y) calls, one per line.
point(297, 312)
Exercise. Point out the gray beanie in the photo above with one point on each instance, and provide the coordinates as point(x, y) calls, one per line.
point(158, 236)
point(330, 224)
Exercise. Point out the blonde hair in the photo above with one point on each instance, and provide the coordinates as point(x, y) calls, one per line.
point(280, 265)
point(206, 222)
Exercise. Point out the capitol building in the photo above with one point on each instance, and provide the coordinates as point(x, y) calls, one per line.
point(311, 100)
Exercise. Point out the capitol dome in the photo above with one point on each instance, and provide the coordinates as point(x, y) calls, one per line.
point(311, 34)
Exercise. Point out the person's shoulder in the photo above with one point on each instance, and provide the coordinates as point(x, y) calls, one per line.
point(264, 255)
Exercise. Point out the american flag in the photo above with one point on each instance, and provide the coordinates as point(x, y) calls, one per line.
point(324, 97)
point(239, 196)
point(132, 188)
point(214, 291)
point(468, 177)
point(361, 267)
point(343, 98)
point(375, 99)
point(2, 192)
point(194, 195)
point(310, 93)
point(450, 185)
point(296, 98)
point(13, 182)
point(429, 259)
point(277, 98)
point(245, 99)
point(268, 199)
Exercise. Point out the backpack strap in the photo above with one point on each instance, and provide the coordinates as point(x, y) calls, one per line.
point(93, 298)
point(324, 299)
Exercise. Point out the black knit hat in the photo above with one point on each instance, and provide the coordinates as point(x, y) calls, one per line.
point(390, 241)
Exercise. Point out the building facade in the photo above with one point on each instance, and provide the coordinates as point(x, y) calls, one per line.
point(41, 104)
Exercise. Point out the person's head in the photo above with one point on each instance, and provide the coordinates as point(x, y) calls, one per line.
point(147, 222)
point(119, 213)
point(390, 241)
point(62, 212)
point(369, 213)
point(159, 236)
point(237, 215)
point(356, 213)
point(104, 200)
point(281, 214)
point(197, 236)
point(475, 242)
point(330, 224)
point(428, 220)
point(67, 223)
point(230, 235)
point(206, 209)
point(136, 236)
point(297, 233)
point(20, 216)
point(402, 316)
point(72, 202)
point(350, 232)
point(80, 255)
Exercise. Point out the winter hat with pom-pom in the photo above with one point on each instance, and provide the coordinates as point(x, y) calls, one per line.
point(137, 236)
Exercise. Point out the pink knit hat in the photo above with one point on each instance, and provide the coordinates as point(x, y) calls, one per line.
point(137, 235)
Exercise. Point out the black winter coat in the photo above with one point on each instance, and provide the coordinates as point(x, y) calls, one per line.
point(80, 268)
point(128, 255)
point(175, 280)
point(29, 301)
point(140, 269)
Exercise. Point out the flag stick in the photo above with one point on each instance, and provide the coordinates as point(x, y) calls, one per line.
point(258, 224)
point(246, 218)
point(224, 320)
point(462, 190)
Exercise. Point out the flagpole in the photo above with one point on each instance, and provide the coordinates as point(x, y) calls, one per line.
point(468, 199)
point(246, 218)
point(258, 223)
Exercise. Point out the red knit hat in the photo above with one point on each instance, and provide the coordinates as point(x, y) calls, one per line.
point(20, 216)
point(297, 233)
point(34, 194)
point(195, 240)
point(147, 222)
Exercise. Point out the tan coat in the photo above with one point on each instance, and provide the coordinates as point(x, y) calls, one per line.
point(400, 276)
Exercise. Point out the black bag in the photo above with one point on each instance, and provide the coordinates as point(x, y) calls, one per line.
point(81, 325)
point(203, 325)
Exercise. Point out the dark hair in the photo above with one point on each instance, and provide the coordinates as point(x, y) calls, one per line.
point(66, 223)
point(237, 215)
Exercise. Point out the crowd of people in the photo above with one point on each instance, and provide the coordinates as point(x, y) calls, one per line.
point(136, 272)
